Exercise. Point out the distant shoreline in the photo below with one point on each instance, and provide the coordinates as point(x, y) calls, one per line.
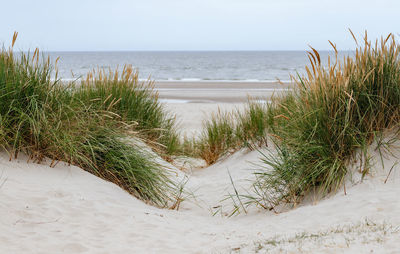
point(223, 83)
point(218, 92)
point(195, 80)
point(181, 92)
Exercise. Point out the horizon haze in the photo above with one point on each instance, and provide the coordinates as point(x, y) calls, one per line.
point(177, 25)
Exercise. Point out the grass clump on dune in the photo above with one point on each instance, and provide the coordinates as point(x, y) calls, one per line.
point(134, 102)
point(46, 119)
point(251, 128)
point(227, 132)
point(129, 166)
point(333, 112)
point(217, 137)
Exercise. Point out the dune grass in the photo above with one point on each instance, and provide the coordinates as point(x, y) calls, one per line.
point(46, 119)
point(227, 132)
point(334, 112)
point(316, 129)
point(251, 127)
point(217, 137)
point(135, 103)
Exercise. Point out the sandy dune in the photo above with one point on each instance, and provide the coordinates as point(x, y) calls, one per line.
point(66, 210)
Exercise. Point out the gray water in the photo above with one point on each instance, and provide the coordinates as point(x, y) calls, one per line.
point(191, 65)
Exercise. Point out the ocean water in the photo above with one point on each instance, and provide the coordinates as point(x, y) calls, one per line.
point(191, 65)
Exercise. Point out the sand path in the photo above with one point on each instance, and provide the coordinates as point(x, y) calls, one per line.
point(66, 210)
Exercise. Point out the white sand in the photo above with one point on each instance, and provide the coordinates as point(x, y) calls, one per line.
point(191, 116)
point(66, 210)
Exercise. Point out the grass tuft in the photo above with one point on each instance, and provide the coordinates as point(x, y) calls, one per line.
point(227, 132)
point(217, 137)
point(135, 102)
point(334, 112)
point(83, 126)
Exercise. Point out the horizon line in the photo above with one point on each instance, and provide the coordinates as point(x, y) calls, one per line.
point(184, 50)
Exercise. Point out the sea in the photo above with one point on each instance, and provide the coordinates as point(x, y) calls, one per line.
point(249, 66)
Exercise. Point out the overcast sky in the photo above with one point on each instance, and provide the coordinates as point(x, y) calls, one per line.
point(194, 24)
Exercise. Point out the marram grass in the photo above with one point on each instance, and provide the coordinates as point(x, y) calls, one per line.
point(333, 112)
point(316, 129)
point(135, 103)
point(227, 132)
point(46, 119)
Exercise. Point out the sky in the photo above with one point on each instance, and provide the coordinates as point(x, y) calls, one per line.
point(106, 25)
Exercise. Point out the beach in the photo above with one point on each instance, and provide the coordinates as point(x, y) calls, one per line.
point(199, 127)
point(67, 210)
point(193, 102)
point(218, 91)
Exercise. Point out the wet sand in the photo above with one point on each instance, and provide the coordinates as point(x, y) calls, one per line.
point(217, 91)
